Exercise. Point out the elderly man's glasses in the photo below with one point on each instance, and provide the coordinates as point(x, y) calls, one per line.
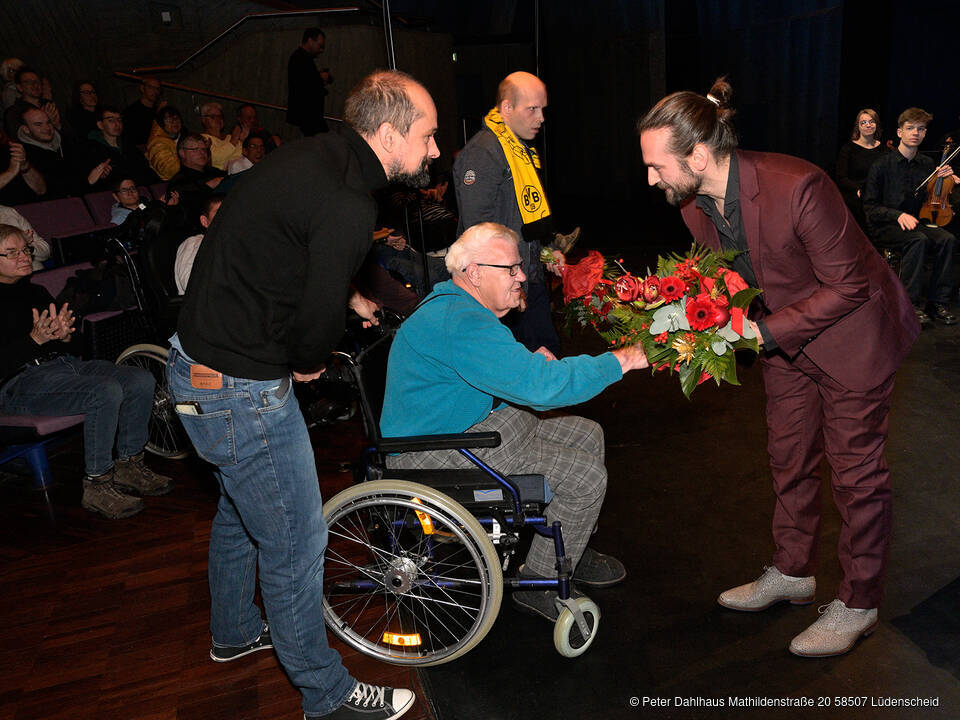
point(199, 148)
point(15, 253)
point(513, 269)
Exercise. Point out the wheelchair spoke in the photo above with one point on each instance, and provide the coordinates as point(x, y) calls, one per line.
point(407, 581)
point(427, 609)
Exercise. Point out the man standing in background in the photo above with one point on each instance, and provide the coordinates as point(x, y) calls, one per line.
point(307, 85)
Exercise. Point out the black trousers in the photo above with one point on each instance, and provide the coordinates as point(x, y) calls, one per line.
point(915, 246)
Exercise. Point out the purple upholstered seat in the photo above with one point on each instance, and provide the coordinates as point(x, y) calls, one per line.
point(58, 218)
point(42, 424)
point(55, 280)
point(100, 205)
point(27, 436)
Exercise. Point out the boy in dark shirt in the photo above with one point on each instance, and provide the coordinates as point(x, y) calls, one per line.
point(892, 209)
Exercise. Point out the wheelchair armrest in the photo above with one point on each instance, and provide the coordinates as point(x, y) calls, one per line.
point(416, 443)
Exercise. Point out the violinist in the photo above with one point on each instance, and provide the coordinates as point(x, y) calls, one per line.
point(892, 209)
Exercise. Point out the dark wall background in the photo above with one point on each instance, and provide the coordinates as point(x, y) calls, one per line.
point(800, 68)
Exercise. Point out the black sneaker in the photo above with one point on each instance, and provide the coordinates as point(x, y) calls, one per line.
point(371, 702)
point(941, 312)
point(598, 570)
point(226, 654)
point(540, 602)
point(922, 317)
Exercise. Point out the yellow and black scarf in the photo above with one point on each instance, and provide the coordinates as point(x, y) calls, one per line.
point(524, 163)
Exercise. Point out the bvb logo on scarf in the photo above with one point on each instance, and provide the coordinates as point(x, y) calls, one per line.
point(524, 163)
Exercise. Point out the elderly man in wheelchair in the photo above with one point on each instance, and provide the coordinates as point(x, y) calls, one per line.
point(455, 368)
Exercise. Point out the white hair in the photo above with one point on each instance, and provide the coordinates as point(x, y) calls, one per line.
point(470, 246)
point(207, 107)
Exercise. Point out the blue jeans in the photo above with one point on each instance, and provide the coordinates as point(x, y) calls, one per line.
point(269, 514)
point(116, 400)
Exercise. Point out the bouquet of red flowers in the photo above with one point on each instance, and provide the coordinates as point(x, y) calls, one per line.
point(689, 316)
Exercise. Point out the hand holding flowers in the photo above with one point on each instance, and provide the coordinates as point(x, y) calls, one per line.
point(689, 316)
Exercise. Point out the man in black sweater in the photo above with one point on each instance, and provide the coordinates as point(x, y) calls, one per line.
point(266, 305)
point(307, 85)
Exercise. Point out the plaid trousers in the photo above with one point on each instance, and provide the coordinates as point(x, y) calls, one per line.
point(568, 451)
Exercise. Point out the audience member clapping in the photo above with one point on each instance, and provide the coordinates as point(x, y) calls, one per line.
point(43, 376)
point(30, 86)
point(248, 125)
point(223, 147)
point(20, 182)
point(44, 149)
point(106, 156)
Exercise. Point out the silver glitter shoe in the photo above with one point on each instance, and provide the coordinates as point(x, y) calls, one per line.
point(768, 589)
point(836, 632)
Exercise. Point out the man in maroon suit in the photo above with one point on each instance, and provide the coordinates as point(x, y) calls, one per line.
point(834, 324)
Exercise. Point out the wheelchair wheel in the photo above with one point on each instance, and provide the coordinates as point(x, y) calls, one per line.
point(166, 437)
point(410, 577)
point(567, 637)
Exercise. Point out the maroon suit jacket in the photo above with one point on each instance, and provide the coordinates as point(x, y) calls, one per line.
point(829, 293)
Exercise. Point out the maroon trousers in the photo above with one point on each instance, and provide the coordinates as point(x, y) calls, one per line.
point(809, 415)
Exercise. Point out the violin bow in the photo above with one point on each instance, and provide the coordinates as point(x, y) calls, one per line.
point(929, 177)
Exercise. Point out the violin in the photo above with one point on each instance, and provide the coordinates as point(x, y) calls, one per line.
point(937, 211)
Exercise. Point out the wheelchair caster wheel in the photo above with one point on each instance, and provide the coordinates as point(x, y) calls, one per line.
point(568, 637)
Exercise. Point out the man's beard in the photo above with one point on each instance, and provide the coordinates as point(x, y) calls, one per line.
point(418, 179)
point(689, 185)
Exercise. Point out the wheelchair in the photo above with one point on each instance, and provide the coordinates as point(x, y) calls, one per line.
point(157, 308)
point(415, 562)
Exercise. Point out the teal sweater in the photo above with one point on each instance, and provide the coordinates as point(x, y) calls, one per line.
point(453, 358)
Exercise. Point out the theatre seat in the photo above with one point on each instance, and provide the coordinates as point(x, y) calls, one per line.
point(27, 436)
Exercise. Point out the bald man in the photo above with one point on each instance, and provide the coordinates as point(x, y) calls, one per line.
point(497, 179)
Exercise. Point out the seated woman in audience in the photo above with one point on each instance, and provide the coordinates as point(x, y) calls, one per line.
point(223, 147)
point(162, 145)
point(83, 115)
point(855, 158)
point(41, 375)
point(41, 248)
